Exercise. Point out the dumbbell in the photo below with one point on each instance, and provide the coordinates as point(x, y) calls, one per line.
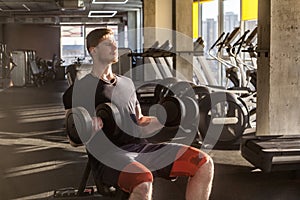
point(79, 125)
point(111, 119)
point(186, 92)
point(174, 111)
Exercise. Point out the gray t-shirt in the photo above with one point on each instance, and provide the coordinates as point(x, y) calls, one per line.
point(90, 91)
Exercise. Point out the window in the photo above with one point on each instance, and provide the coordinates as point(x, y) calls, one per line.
point(72, 43)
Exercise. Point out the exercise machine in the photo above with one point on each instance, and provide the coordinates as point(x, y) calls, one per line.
point(272, 153)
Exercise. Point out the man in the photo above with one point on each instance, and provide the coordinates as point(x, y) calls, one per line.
point(132, 162)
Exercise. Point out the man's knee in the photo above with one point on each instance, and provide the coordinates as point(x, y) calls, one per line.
point(133, 175)
point(143, 188)
point(189, 161)
point(142, 191)
point(209, 163)
point(208, 167)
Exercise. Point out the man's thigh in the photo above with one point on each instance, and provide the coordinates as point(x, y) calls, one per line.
point(159, 158)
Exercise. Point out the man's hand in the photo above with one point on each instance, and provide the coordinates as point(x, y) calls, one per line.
point(149, 124)
point(97, 124)
point(144, 121)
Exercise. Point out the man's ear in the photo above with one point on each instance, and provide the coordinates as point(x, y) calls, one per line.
point(92, 50)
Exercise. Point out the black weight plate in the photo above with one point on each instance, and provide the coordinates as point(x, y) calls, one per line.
point(192, 112)
point(174, 109)
point(78, 125)
point(219, 105)
point(111, 118)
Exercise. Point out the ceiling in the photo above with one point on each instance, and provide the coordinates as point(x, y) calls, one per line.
point(66, 11)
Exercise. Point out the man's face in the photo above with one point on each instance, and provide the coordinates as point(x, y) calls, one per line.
point(107, 50)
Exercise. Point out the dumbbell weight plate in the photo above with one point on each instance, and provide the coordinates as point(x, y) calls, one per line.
point(78, 125)
point(173, 110)
point(186, 91)
point(191, 118)
point(111, 118)
point(223, 118)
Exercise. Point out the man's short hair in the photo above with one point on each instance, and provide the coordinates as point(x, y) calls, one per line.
point(95, 36)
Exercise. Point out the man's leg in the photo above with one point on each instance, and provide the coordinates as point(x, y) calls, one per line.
point(199, 166)
point(136, 179)
point(142, 191)
point(199, 185)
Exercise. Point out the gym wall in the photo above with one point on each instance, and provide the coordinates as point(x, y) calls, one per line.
point(44, 39)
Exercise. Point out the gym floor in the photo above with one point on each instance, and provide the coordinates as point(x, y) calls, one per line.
point(37, 159)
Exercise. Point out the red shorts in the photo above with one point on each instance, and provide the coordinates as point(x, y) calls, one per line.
point(153, 160)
